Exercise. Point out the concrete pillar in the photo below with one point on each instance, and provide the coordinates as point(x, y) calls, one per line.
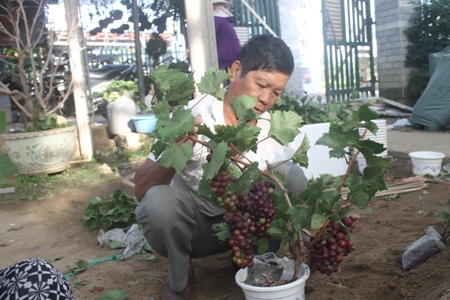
point(201, 36)
point(291, 33)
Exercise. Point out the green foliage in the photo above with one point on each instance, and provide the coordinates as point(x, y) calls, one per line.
point(445, 216)
point(427, 34)
point(312, 110)
point(118, 212)
point(119, 88)
point(117, 294)
point(173, 86)
point(8, 168)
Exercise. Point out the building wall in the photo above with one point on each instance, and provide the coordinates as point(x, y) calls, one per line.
point(392, 18)
point(290, 33)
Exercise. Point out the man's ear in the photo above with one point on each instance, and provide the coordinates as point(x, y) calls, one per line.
point(235, 69)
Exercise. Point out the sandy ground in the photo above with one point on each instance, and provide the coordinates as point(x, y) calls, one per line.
point(50, 229)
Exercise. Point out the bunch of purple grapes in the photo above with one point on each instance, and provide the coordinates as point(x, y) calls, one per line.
point(246, 216)
point(329, 248)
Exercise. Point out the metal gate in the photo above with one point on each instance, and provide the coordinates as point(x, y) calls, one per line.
point(348, 51)
point(260, 16)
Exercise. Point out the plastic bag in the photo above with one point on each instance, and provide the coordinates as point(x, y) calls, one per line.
point(134, 238)
point(266, 268)
point(422, 249)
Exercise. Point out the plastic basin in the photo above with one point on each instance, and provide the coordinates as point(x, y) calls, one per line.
point(144, 123)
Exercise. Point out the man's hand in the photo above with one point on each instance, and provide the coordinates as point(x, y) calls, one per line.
point(185, 137)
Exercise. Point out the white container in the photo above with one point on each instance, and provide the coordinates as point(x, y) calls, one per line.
point(319, 161)
point(291, 291)
point(426, 162)
point(380, 137)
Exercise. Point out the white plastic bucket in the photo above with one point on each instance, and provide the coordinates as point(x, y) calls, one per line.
point(291, 291)
point(380, 137)
point(426, 162)
point(319, 160)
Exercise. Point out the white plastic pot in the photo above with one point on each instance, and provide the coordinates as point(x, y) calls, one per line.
point(426, 162)
point(291, 291)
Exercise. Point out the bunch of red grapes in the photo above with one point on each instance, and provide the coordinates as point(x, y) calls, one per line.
point(329, 248)
point(246, 216)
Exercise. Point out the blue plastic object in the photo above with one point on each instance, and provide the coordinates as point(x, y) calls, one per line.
point(144, 123)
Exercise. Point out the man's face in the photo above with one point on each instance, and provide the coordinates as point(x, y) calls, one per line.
point(263, 85)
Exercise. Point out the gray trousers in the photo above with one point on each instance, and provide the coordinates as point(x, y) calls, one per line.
point(176, 229)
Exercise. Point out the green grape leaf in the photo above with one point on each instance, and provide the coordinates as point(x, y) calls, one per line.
point(318, 221)
point(313, 192)
point(204, 130)
point(8, 168)
point(243, 107)
point(280, 230)
point(117, 294)
point(361, 118)
point(300, 155)
point(334, 216)
point(204, 188)
point(158, 148)
point(182, 92)
point(337, 139)
point(235, 172)
point(211, 81)
point(221, 231)
point(217, 159)
point(262, 245)
point(360, 198)
point(181, 122)
point(369, 147)
point(327, 201)
point(284, 126)
point(166, 79)
point(176, 156)
point(244, 183)
point(301, 216)
point(162, 112)
point(246, 137)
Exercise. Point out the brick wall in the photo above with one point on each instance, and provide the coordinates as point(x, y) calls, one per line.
point(392, 18)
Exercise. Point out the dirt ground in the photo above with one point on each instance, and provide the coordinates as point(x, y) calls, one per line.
point(373, 271)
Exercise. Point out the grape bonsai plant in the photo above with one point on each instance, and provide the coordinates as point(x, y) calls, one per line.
point(316, 226)
point(24, 28)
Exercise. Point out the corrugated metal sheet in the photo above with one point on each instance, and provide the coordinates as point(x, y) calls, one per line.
point(243, 34)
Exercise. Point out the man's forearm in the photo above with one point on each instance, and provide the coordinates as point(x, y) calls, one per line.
point(149, 175)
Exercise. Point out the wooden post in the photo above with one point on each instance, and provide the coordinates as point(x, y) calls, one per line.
point(201, 36)
point(79, 79)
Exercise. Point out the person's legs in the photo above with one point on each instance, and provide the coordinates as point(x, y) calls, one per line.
point(175, 228)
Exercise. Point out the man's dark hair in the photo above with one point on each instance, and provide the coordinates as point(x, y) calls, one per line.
point(266, 52)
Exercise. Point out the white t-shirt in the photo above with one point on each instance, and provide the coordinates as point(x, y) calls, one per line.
point(211, 111)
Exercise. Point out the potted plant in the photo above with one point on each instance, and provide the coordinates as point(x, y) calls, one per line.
point(122, 98)
point(316, 226)
point(31, 56)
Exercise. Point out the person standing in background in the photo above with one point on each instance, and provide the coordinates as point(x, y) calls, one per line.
point(227, 42)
